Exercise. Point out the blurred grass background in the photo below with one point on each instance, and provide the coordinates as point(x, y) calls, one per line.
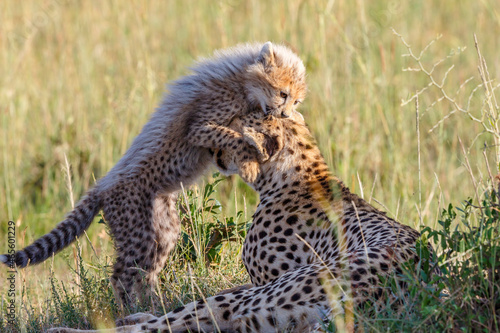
point(81, 78)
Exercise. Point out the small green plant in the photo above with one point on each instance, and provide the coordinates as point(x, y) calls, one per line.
point(455, 288)
point(469, 261)
point(204, 230)
point(92, 303)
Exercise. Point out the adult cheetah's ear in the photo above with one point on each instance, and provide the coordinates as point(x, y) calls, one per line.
point(266, 56)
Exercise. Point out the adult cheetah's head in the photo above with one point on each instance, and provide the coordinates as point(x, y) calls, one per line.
point(276, 82)
point(268, 134)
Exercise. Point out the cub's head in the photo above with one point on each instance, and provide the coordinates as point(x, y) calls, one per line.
point(276, 82)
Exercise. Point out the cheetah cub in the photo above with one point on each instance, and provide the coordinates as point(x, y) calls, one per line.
point(138, 195)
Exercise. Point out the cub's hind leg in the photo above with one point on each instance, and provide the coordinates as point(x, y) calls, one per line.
point(166, 229)
point(145, 228)
point(130, 217)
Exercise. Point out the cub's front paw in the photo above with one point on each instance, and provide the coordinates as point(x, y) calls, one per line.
point(249, 170)
point(262, 156)
point(256, 141)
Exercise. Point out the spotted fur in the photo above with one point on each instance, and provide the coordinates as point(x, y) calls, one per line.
point(313, 245)
point(138, 195)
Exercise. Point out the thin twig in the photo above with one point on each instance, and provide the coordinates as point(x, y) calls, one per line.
point(419, 169)
point(489, 127)
point(467, 165)
point(69, 184)
point(373, 188)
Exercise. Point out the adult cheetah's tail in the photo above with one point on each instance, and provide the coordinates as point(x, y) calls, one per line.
point(61, 236)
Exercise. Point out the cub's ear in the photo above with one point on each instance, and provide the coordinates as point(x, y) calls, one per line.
point(266, 56)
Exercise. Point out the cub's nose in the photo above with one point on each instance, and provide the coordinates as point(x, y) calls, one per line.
point(285, 114)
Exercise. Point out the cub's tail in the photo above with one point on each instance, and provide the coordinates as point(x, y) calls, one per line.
point(61, 236)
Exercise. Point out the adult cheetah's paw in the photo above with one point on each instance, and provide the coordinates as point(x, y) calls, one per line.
point(62, 330)
point(237, 288)
point(136, 318)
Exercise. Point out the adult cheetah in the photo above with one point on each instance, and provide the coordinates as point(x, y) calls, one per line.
point(138, 195)
point(311, 239)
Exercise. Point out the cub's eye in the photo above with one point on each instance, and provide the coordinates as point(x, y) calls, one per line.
point(283, 95)
point(296, 102)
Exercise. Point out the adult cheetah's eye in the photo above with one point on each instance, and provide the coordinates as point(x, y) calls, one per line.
point(283, 95)
point(296, 102)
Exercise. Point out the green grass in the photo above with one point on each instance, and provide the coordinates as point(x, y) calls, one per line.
point(79, 79)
